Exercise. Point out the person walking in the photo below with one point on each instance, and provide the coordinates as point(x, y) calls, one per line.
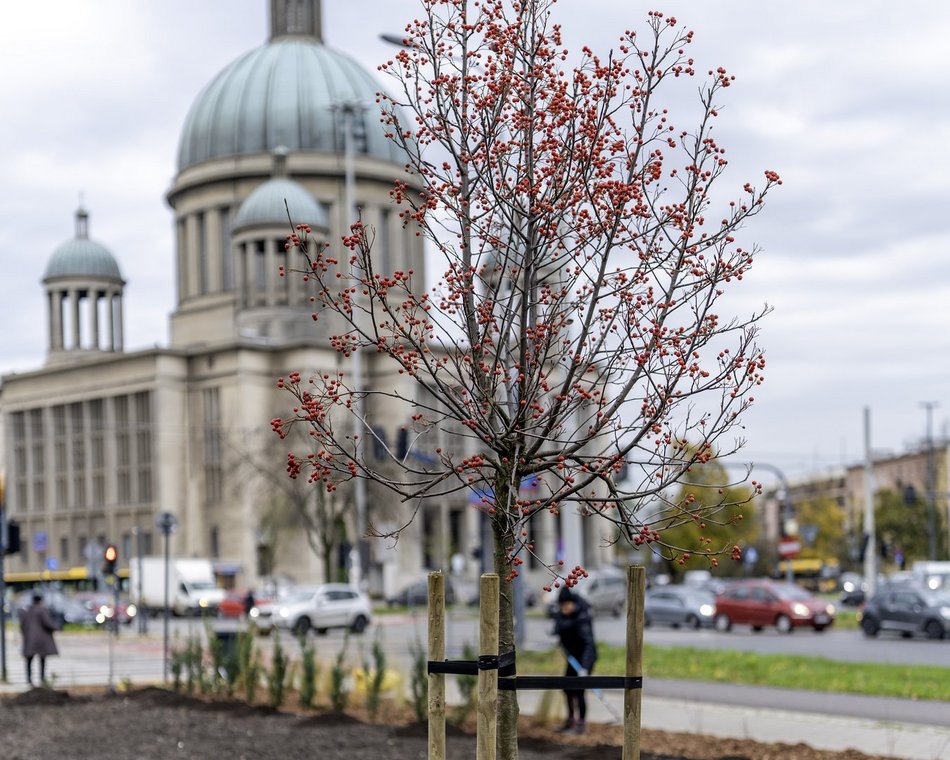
point(574, 628)
point(36, 629)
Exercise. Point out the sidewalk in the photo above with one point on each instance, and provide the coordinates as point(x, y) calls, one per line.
point(895, 727)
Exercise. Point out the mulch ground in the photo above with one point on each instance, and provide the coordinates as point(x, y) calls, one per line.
point(155, 723)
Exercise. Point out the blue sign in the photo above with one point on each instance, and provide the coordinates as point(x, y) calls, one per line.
point(52, 563)
point(40, 541)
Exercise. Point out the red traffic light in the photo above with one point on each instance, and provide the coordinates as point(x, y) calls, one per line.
point(110, 558)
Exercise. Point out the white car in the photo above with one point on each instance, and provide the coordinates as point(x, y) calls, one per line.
point(332, 605)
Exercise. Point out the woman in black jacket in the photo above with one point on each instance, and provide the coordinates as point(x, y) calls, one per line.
point(573, 626)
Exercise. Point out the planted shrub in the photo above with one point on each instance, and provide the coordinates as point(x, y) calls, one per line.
point(419, 680)
point(308, 678)
point(277, 675)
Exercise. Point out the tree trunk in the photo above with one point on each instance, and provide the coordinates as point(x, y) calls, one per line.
point(507, 700)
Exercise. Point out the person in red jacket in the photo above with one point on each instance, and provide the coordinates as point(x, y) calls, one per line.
point(574, 628)
point(36, 627)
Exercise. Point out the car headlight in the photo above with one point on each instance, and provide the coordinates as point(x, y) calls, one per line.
point(830, 609)
point(945, 612)
point(848, 586)
point(800, 609)
point(254, 612)
point(706, 610)
point(284, 612)
point(131, 610)
point(202, 602)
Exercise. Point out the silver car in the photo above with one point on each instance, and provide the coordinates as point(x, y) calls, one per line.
point(679, 606)
point(331, 605)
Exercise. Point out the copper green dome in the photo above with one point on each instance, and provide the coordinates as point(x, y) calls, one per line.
point(81, 257)
point(265, 206)
point(288, 92)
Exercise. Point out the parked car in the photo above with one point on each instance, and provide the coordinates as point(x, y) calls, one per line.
point(907, 610)
point(416, 594)
point(679, 606)
point(605, 590)
point(234, 604)
point(331, 605)
point(764, 603)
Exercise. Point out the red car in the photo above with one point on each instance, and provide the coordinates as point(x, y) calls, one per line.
point(767, 603)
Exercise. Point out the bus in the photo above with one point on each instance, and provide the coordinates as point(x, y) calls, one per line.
point(816, 575)
point(68, 579)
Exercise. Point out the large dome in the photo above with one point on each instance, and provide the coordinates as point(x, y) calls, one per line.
point(82, 257)
point(286, 93)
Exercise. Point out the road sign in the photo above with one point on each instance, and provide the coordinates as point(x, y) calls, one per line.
point(788, 548)
point(52, 563)
point(40, 541)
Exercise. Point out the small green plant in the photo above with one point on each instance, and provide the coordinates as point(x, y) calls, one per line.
point(467, 685)
point(419, 680)
point(277, 675)
point(308, 680)
point(338, 687)
point(194, 665)
point(176, 662)
point(376, 676)
point(249, 665)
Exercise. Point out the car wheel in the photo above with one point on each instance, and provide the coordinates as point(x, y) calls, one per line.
point(616, 611)
point(757, 629)
point(723, 623)
point(646, 621)
point(359, 624)
point(321, 631)
point(820, 628)
point(870, 627)
point(692, 622)
point(934, 629)
point(302, 626)
point(783, 623)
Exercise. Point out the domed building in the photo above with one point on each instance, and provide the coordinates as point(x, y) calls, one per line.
point(102, 440)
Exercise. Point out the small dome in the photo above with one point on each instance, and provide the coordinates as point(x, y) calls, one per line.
point(82, 257)
point(266, 206)
point(287, 92)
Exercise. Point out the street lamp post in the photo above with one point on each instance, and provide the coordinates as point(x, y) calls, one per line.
point(166, 523)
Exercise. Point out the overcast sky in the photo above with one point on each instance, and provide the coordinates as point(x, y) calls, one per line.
point(847, 100)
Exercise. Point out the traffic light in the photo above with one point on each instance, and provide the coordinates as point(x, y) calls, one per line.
point(109, 559)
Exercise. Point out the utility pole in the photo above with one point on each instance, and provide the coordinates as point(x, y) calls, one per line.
point(929, 406)
point(870, 550)
point(3, 588)
point(348, 110)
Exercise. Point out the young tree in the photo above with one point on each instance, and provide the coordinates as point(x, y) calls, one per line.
point(574, 334)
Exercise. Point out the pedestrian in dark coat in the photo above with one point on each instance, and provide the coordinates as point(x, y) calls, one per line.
point(248, 602)
point(574, 628)
point(36, 627)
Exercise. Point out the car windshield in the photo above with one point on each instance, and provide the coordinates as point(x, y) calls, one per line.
point(203, 586)
point(790, 592)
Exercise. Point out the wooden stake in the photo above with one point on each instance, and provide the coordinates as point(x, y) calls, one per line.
point(487, 679)
point(636, 585)
point(436, 701)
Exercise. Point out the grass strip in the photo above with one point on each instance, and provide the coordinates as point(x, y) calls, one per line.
point(785, 671)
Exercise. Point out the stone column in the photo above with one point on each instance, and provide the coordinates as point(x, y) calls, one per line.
point(56, 320)
point(271, 277)
point(110, 320)
point(93, 298)
point(215, 266)
point(74, 309)
point(118, 322)
point(239, 251)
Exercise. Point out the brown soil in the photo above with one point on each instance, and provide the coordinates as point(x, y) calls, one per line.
point(154, 723)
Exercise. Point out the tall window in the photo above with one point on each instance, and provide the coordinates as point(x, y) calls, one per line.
point(182, 259)
point(143, 446)
point(64, 549)
point(18, 425)
point(77, 436)
point(202, 255)
point(39, 459)
point(123, 446)
point(60, 462)
point(97, 451)
point(211, 401)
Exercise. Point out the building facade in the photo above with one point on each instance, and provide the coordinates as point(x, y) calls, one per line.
point(99, 441)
